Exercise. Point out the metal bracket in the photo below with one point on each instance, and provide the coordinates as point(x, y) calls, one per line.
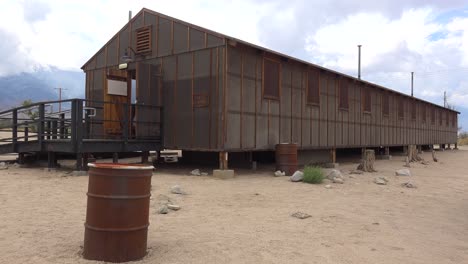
point(92, 111)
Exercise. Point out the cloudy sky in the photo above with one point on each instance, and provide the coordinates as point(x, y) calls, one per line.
point(429, 37)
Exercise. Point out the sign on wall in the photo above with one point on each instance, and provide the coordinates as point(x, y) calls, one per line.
point(116, 87)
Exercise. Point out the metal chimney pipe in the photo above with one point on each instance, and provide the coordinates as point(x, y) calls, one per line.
point(359, 61)
point(412, 83)
point(129, 15)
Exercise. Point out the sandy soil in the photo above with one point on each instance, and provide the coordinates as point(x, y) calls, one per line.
point(248, 219)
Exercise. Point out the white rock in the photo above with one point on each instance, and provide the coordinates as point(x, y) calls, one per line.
point(163, 210)
point(279, 173)
point(403, 172)
point(195, 172)
point(409, 185)
point(328, 186)
point(297, 176)
point(204, 174)
point(176, 189)
point(334, 174)
point(381, 181)
point(338, 180)
point(173, 207)
point(301, 215)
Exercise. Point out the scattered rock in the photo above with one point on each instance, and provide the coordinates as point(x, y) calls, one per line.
point(327, 181)
point(328, 186)
point(403, 172)
point(376, 223)
point(351, 177)
point(204, 174)
point(173, 207)
point(334, 174)
point(356, 172)
point(409, 185)
point(424, 162)
point(163, 210)
point(381, 181)
point(196, 172)
point(280, 173)
point(176, 189)
point(338, 180)
point(163, 199)
point(79, 173)
point(297, 176)
point(301, 215)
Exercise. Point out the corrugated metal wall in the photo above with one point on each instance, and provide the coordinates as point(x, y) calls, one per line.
point(254, 122)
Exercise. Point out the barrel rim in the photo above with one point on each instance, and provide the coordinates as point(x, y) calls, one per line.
point(120, 166)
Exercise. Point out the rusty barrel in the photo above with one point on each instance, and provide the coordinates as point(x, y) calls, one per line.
point(117, 214)
point(286, 158)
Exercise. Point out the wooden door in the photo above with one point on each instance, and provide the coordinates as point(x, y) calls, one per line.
point(116, 95)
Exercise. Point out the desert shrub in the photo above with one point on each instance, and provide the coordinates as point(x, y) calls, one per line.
point(313, 175)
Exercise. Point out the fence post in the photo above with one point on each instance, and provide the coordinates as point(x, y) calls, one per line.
point(62, 126)
point(14, 131)
point(54, 129)
point(40, 124)
point(26, 134)
point(73, 124)
point(79, 123)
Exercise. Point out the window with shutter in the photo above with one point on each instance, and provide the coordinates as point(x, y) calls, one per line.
point(432, 116)
point(271, 79)
point(344, 104)
point(143, 40)
point(385, 104)
point(366, 100)
point(423, 112)
point(401, 110)
point(313, 87)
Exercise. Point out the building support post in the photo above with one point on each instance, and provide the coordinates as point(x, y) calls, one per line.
point(448, 146)
point(405, 150)
point(115, 157)
point(21, 160)
point(79, 162)
point(456, 146)
point(85, 161)
point(333, 155)
point(419, 149)
point(51, 160)
point(223, 160)
point(145, 157)
point(387, 151)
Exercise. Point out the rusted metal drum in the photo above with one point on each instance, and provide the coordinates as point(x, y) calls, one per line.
point(286, 158)
point(117, 214)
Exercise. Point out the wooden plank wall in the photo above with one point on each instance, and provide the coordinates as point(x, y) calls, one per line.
point(256, 123)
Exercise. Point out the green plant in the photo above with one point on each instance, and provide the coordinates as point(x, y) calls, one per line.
point(313, 175)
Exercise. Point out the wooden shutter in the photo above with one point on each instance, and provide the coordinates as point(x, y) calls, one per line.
point(385, 104)
point(271, 79)
point(366, 103)
point(344, 94)
point(313, 84)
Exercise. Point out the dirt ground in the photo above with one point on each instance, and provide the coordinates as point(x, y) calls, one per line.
point(248, 219)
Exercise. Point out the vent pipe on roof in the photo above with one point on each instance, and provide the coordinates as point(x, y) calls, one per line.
point(129, 15)
point(412, 83)
point(359, 62)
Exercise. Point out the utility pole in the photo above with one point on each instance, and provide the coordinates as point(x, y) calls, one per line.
point(359, 62)
point(60, 97)
point(412, 83)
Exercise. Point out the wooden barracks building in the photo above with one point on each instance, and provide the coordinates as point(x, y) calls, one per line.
point(221, 94)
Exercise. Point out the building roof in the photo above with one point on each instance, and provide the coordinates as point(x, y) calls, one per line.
point(229, 38)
